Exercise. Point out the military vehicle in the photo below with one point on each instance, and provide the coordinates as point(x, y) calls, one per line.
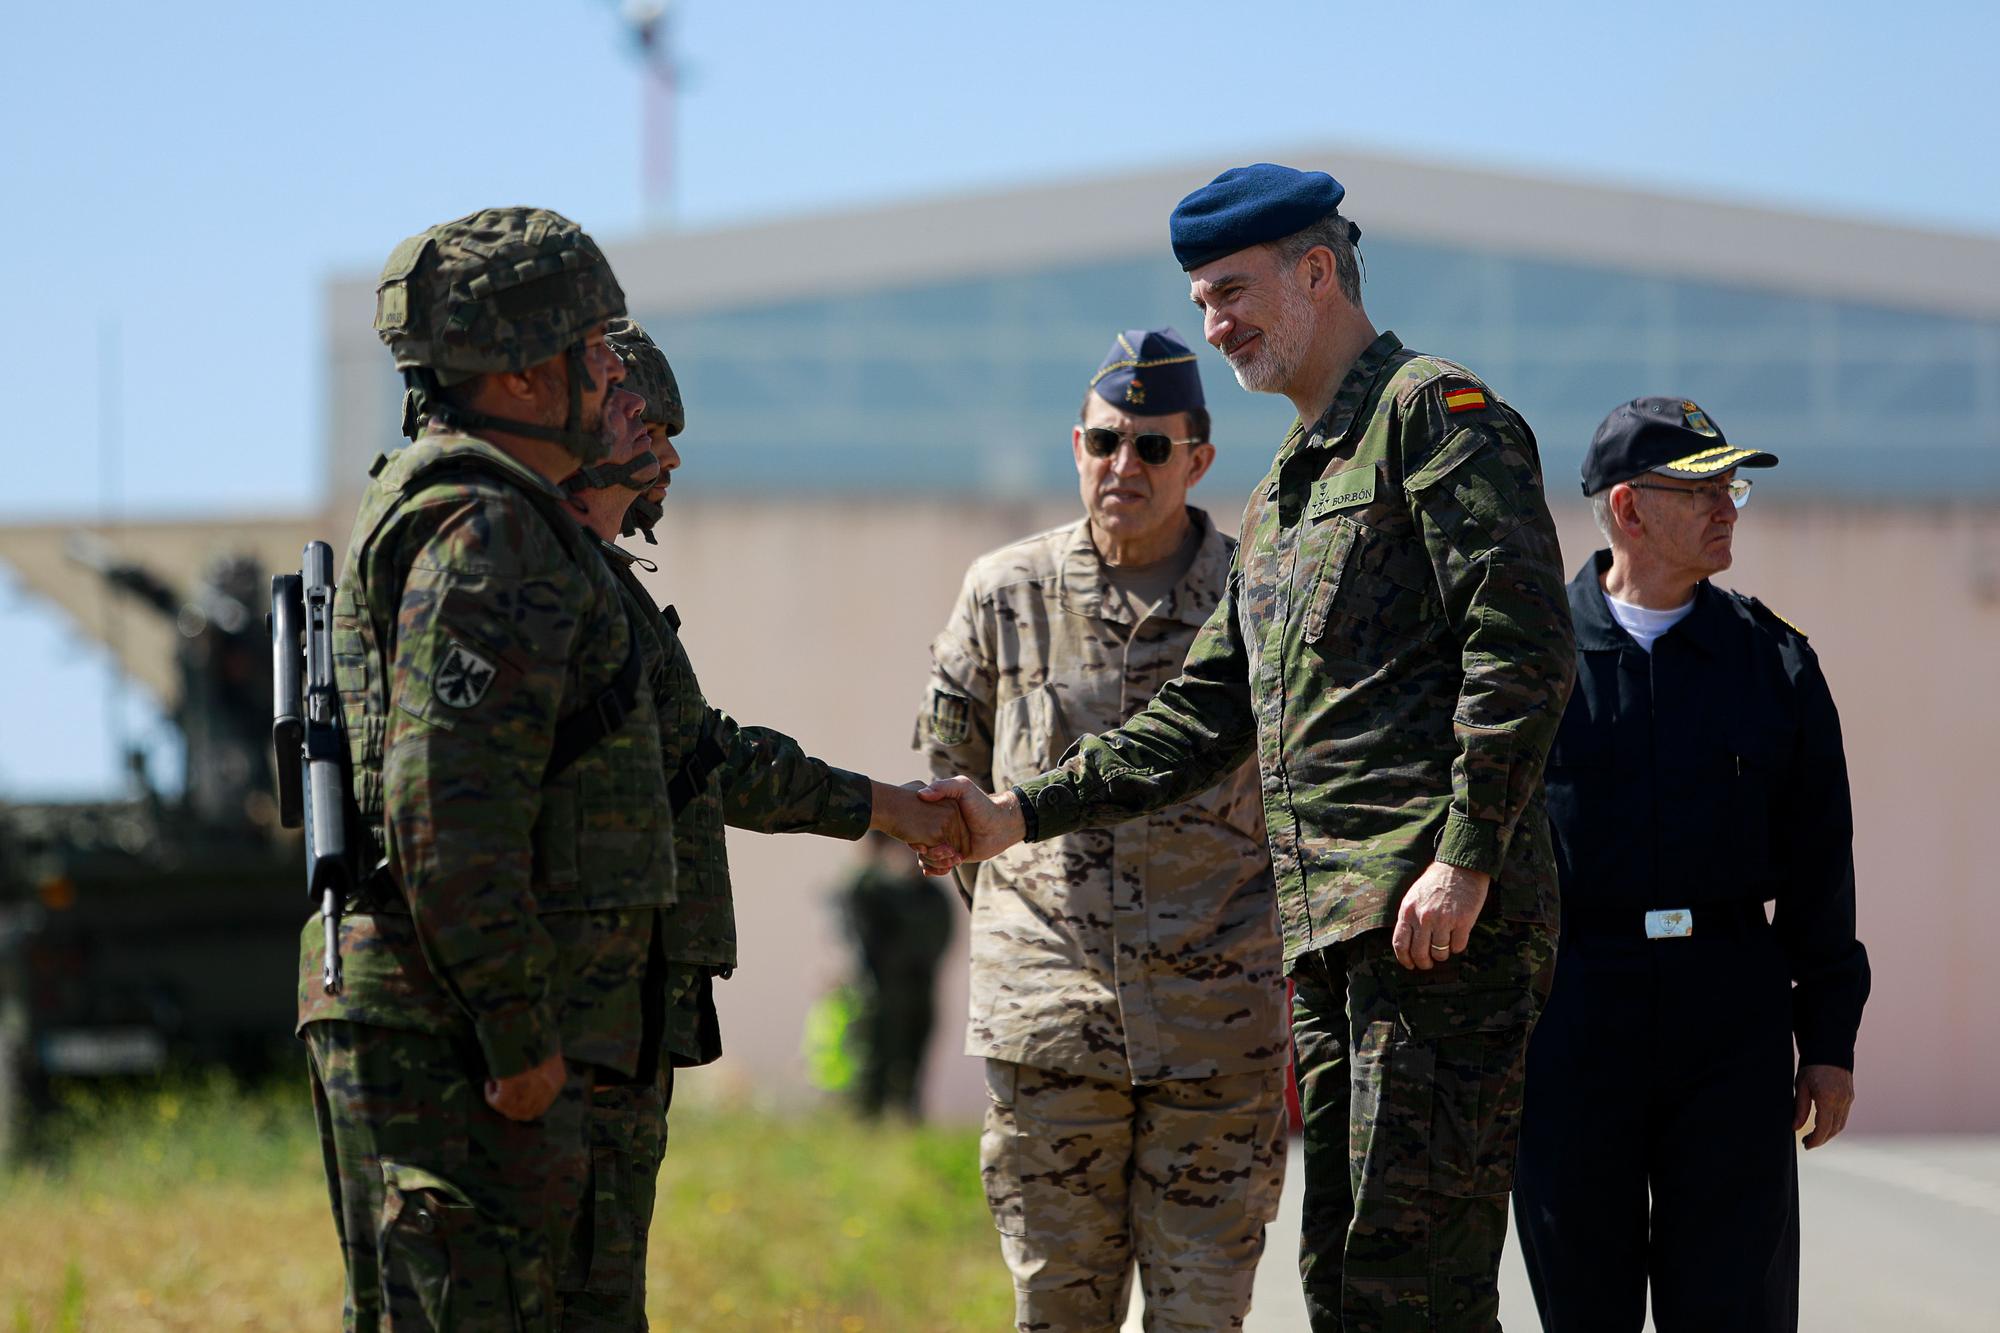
point(147, 932)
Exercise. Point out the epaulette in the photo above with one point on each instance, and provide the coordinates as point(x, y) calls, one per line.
point(1422, 371)
point(1771, 619)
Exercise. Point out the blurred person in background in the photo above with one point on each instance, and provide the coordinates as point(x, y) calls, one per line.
point(1393, 646)
point(1127, 993)
point(900, 922)
point(716, 772)
point(1697, 776)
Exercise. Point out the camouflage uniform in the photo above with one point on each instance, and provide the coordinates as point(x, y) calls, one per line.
point(507, 947)
point(513, 912)
point(1394, 647)
point(1126, 987)
point(716, 771)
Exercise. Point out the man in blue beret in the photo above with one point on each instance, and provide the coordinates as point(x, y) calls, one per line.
point(1127, 988)
point(1394, 648)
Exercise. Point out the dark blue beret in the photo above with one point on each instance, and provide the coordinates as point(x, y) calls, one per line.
point(1247, 206)
point(1149, 373)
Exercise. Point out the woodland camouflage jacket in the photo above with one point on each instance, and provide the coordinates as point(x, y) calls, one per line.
point(1394, 647)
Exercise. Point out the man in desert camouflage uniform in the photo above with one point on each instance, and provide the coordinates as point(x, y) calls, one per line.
point(717, 772)
point(1394, 647)
point(508, 773)
point(1127, 993)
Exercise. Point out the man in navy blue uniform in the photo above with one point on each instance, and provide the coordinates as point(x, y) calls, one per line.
point(1697, 776)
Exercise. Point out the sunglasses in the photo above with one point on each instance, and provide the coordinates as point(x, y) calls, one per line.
point(1102, 442)
point(1710, 495)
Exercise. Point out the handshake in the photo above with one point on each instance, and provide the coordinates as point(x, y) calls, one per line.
point(948, 822)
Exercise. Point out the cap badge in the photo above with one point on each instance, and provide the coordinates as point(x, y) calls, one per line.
point(1135, 392)
point(1696, 420)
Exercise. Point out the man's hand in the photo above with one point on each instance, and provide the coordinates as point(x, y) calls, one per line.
point(1437, 915)
point(933, 829)
point(524, 1096)
point(1827, 1093)
point(992, 824)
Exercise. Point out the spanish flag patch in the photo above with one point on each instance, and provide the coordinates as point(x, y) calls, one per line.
point(1464, 400)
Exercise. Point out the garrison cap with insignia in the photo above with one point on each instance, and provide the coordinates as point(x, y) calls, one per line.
point(1149, 373)
point(1247, 206)
point(1671, 436)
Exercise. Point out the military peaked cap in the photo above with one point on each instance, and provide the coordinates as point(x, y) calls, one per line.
point(1670, 436)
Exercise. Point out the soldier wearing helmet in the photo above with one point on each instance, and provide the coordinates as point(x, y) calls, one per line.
point(511, 793)
point(648, 375)
point(719, 773)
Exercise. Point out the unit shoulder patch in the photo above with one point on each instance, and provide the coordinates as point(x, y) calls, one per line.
point(951, 717)
point(463, 677)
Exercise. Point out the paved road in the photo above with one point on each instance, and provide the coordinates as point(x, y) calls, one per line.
point(1900, 1234)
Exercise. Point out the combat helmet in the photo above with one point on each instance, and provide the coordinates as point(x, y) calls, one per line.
point(648, 375)
point(493, 292)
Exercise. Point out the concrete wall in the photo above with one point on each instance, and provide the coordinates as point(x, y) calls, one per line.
point(816, 619)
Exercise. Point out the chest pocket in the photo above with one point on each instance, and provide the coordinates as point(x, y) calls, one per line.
point(604, 838)
point(1370, 600)
point(1751, 765)
point(1028, 735)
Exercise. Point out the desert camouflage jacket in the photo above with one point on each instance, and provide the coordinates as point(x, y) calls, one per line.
point(1394, 646)
point(755, 778)
point(1145, 952)
point(466, 625)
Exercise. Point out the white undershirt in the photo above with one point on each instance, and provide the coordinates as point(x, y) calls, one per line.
point(1643, 623)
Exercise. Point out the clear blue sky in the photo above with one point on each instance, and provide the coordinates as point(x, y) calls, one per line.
point(192, 174)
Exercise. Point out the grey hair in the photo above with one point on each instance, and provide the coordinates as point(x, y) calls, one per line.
point(1337, 234)
point(1600, 509)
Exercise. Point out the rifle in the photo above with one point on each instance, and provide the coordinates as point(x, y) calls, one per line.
point(310, 738)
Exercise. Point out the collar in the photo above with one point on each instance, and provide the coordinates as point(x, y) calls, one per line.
point(1081, 583)
point(612, 551)
point(447, 441)
point(1355, 389)
point(1703, 628)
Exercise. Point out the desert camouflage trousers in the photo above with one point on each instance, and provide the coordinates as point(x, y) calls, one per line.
point(602, 1287)
point(451, 1216)
point(1084, 1175)
point(1411, 1087)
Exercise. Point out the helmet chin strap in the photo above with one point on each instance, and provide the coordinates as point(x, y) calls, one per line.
point(597, 476)
point(424, 398)
point(641, 517)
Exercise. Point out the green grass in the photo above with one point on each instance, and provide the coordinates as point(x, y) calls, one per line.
point(200, 1205)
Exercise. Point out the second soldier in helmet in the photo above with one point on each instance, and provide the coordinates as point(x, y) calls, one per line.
point(719, 773)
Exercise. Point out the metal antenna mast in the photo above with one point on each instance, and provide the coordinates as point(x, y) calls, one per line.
point(652, 26)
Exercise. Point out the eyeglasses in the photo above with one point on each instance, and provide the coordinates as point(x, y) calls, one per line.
point(1103, 442)
point(1710, 495)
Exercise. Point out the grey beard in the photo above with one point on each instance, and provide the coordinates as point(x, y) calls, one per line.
point(1284, 346)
